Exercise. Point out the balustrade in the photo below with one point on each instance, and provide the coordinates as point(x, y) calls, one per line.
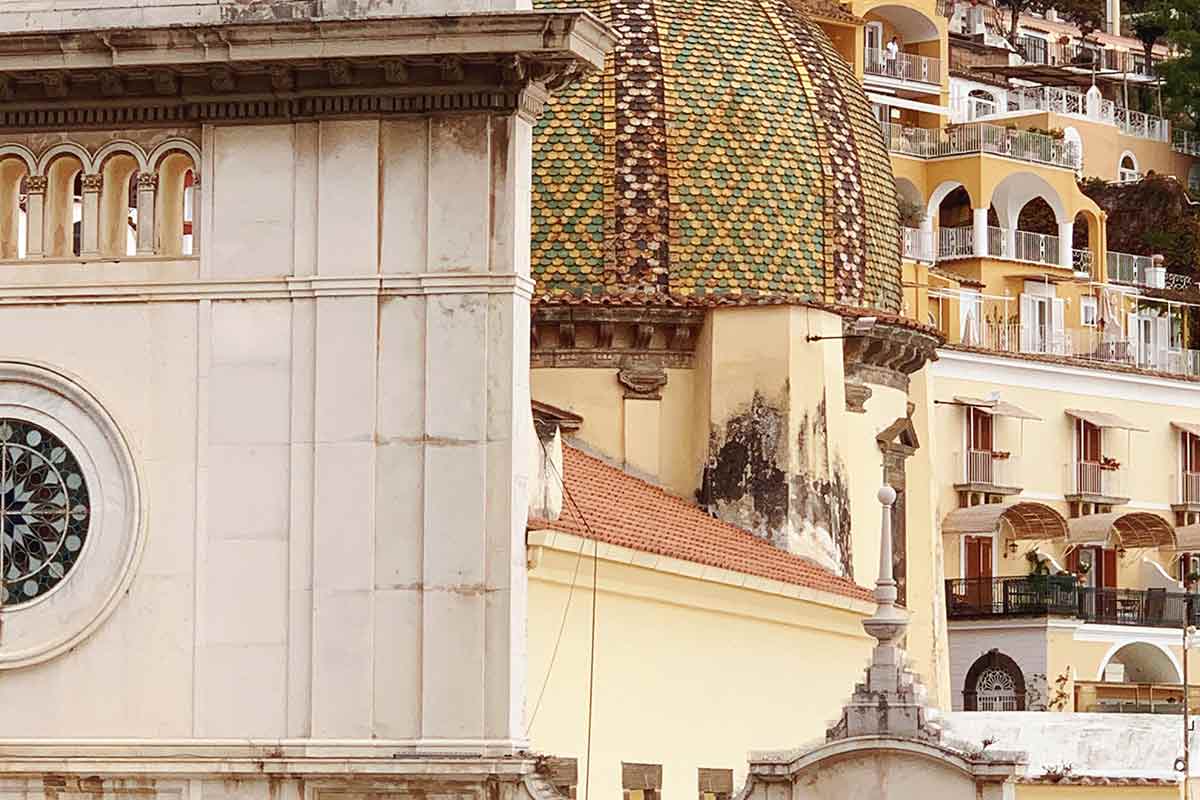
point(115, 202)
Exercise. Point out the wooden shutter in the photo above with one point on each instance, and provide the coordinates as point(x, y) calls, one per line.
point(1058, 330)
point(1109, 572)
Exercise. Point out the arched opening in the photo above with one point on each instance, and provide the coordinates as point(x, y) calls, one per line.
point(13, 211)
point(118, 205)
point(1031, 218)
point(1127, 168)
point(1074, 141)
point(64, 206)
point(175, 207)
point(1140, 662)
point(903, 44)
point(994, 683)
point(981, 103)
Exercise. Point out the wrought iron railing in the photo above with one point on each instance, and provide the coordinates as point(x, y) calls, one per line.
point(1061, 595)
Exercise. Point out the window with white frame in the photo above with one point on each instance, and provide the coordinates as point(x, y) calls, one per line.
point(1088, 312)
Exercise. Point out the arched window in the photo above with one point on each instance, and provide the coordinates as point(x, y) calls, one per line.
point(994, 683)
point(1127, 170)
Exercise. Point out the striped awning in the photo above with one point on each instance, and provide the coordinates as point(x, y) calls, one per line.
point(1023, 520)
point(1102, 419)
point(997, 408)
point(1128, 529)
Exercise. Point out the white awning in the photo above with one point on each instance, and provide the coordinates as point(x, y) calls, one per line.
point(1102, 419)
point(998, 408)
point(912, 105)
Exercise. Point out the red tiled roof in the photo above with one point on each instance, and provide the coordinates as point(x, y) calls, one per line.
point(630, 512)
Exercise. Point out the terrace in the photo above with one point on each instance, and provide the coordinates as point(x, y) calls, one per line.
point(1068, 103)
point(977, 138)
point(1055, 595)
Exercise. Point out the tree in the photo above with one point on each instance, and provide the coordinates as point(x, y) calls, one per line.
point(1181, 80)
point(1087, 15)
point(1151, 21)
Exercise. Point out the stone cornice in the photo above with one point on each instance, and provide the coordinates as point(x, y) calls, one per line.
point(886, 355)
point(283, 288)
point(288, 70)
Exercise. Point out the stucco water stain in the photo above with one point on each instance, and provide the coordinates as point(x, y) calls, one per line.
point(748, 482)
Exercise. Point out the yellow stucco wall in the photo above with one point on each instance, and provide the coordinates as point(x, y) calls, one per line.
point(689, 673)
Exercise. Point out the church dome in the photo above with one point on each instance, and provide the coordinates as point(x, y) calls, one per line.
point(726, 154)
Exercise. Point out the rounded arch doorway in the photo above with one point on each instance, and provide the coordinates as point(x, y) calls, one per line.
point(994, 683)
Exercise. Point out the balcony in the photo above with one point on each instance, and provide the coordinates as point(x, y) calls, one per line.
point(1101, 482)
point(1061, 595)
point(1035, 50)
point(1134, 270)
point(1004, 243)
point(1072, 104)
point(975, 138)
point(906, 68)
point(1133, 698)
point(1186, 142)
point(918, 246)
point(996, 326)
point(988, 471)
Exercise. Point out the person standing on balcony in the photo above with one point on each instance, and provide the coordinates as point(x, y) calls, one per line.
point(893, 50)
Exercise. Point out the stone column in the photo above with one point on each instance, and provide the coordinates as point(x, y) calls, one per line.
point(196, 206)
point(980, 224)
point(89, 241)
point(147, 187)
point(1066, 240)
point(35, 203)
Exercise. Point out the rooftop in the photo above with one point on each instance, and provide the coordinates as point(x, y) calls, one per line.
point(627, 511)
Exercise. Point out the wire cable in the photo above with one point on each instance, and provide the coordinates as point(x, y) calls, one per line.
point(587, 779)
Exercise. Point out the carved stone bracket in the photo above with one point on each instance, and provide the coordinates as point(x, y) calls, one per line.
point(857, 396)
point(623, 338)
point(92, 183)
point(147, 180)
point(887, 355)
point(36, 184)
point(643, 383)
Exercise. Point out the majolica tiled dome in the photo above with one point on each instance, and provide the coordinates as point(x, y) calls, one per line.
point(727, 153)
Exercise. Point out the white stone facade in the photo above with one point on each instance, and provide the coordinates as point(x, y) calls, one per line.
point(308, 431)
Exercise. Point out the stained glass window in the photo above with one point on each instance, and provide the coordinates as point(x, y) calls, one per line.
point(44, 510)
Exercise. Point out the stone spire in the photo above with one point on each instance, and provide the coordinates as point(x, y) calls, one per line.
point(892, 700)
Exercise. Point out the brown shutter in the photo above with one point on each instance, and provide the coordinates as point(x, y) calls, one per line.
point(1109, 574)
point(1073, 561)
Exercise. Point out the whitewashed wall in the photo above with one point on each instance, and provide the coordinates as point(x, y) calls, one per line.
point(328, 410)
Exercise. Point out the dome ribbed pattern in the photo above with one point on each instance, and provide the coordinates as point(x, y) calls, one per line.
point(726, 153)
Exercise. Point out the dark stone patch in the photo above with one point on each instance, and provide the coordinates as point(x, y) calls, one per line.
point(744, 464)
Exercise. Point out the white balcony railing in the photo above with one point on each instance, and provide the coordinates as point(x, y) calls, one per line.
point(904, 67)
point(1186, 142)
point(1026, 246)
point(988, 468)
point(956, 242)
point(1189, 488)
point(918, 245)
point(1094, 478)
point(1135, 270)
point(1037, 148)
point(1074, 104)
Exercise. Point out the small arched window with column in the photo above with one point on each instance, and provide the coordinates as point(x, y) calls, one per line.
point(16, 166)
point(118, 164)
point(176, 164)
point(63, 168)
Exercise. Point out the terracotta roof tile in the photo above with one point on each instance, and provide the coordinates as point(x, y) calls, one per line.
point(630, 512)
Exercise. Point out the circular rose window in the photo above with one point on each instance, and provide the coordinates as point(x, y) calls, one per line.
point(43, 510)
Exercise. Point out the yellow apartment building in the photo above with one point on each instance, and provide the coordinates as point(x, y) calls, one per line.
point(785, 252)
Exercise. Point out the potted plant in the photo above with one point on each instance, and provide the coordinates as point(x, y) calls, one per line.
point(1109, 464)
point(1001, 455)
